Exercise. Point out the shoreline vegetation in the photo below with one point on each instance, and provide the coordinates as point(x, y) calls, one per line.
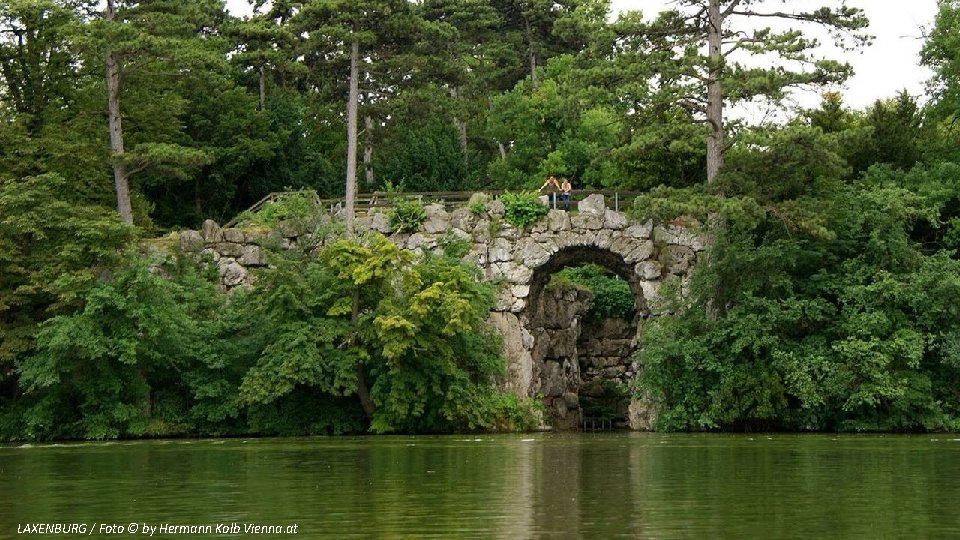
point(829, 299)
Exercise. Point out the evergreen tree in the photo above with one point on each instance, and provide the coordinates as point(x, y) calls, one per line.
point(715, 80)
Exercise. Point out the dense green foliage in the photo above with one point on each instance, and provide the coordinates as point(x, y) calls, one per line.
point(296, 206)
point(407, 215)
point(827, 301)
point(155, 349)
point(831, 308)
point(612, 296)
point(218, 111)
point(522, 209)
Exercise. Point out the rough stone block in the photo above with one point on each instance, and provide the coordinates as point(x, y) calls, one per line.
point(363, 223)
point(614, 220)
point(463, 218)
point(642, 415)
point(380, 222)
point(191, 241)
point(604, 239)
point(504, 300)
point(640, 230)
point(210, 254)
point(436, 225)
point(592, 204)
point(539, 227)
point(587, 221)
point(552, 383)
point(520, 291)
point(614, 372)
point(512, 272)
point(680, 236)
point(677, 259)
point(649, 269)
point(415, 241)
point(515, 352)
point(229, 249)
point(558, 220)
point(530, 253)
point(510, 232)
point(231, 272)
point(253, 256)
point(640, 252)
point(211, 232)
point(650, 290)
point(500, 251)
point(233, 235)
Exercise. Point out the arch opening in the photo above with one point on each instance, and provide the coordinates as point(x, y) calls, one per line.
point(583, 362)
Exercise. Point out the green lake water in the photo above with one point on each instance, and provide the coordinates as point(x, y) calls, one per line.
point(620, 485)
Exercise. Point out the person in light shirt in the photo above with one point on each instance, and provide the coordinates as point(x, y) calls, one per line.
point(552, 187)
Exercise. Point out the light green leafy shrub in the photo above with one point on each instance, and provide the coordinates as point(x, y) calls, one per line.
point(523, 208)
point(407, 215)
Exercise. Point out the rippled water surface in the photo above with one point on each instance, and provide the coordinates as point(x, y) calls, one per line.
point(523, 486)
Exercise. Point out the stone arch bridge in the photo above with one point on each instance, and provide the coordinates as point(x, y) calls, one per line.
point(551, 353)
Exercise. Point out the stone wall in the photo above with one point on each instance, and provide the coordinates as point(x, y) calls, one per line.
point(605, 353)
point(556, 330)
point(541, 359)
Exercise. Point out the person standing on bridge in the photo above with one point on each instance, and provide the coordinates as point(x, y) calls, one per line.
point(552, 187)
point(565, 189)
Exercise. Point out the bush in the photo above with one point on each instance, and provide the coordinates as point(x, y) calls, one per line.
point(612, 296)
point(478, 203)
point(407, 215)
point(523, 208)
point(295, 206)
point(824, 315)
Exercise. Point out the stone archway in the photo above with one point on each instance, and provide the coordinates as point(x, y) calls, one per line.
point(520, 260)
point(576, 361)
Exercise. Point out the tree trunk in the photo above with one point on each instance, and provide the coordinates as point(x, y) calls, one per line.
point(352, 139)
point(368, 151)
point(263, 90)
point(503, 150)
point(362, 391)
point(461, 126)
point(714, 91)
point(533, 56)
point(120, 177)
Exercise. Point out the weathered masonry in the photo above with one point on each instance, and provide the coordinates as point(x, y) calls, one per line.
point(551, 353)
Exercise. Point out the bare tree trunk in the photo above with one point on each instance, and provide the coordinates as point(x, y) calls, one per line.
point(533, 56)
point(503, 150)
point(461, 126)
point(352, 139)
point(263, 90)
point(120, 177)
point(368, 150)
point(363, 392)
point(714, 91)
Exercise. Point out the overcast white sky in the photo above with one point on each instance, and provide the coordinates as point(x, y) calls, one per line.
point(891, 64)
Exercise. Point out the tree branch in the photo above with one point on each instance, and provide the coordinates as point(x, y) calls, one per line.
point(733, 5)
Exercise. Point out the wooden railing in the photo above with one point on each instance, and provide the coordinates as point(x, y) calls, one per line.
point(450, 199)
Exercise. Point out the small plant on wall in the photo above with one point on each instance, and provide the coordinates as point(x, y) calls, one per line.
point(407, 215)
point(523, 208)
